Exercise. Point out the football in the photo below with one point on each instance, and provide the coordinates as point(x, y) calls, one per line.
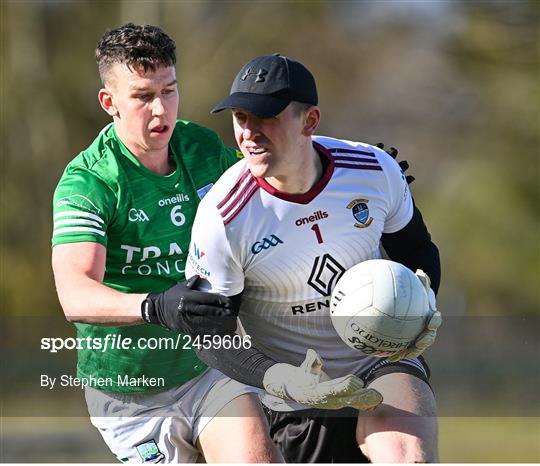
point(379, 307)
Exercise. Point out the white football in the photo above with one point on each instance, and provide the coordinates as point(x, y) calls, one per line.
point(379, 307)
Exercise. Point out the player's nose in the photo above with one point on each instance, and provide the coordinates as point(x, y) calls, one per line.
point(249, 134)
point(250, 129)
point(157, 107)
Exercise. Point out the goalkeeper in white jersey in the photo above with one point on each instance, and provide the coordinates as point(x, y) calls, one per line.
point(275, 234)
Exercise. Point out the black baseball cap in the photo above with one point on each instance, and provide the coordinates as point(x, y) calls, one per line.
point(267, 84)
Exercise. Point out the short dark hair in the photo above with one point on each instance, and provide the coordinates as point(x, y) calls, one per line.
point(300, 107)
point(136, 45)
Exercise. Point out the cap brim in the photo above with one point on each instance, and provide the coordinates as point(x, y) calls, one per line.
point(264, 106)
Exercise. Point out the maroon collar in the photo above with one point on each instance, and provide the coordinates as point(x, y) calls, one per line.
point(328, 168)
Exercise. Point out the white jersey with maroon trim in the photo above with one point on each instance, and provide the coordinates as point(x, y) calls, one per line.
point(286, 252)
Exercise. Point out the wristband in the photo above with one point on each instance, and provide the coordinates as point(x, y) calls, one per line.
point(148, 311)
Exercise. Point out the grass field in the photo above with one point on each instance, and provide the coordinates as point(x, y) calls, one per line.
point(489, 439)
point(462, 440)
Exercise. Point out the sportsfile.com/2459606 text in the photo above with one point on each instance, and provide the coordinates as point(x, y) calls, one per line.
point(119, 342)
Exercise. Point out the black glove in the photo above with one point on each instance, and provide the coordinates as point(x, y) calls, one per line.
point(184, 309)
point(393, 152)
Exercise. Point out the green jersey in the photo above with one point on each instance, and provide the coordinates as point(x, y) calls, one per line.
point(144, 220)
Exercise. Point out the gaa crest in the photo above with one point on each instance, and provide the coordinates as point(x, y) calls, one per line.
point(360, 210)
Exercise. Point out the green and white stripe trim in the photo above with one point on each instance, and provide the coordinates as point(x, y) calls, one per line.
point(78, 222)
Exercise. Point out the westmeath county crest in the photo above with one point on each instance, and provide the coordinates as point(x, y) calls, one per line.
point(149, 452)
point(360, 211)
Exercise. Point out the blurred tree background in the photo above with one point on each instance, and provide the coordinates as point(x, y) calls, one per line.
point(453, 84)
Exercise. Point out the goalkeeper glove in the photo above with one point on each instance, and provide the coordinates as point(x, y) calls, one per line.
point(427, 337)
point(309, 385)
point(403, 164)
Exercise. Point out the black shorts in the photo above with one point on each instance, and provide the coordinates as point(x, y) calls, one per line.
point(329, 436)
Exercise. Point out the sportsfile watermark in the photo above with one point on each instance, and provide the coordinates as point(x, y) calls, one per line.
point(114, 342)
point(480, 366)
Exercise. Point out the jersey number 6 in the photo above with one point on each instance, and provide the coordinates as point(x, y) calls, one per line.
point(177, 217)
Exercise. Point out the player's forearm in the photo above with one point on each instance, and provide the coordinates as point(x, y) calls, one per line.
point(412, 247)
point(425, 258)
point(89, 301)
point(246, 365)
point(79, 269)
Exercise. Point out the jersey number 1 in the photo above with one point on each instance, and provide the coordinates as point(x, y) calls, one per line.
point(317, 231)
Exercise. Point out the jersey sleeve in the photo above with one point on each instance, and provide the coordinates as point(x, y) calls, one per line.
point(210, 253)
point(83, 206)
point(400, 208)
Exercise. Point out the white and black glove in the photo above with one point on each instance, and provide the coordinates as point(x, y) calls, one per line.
point(427, 337)
point(309, 385)
point(183, 308)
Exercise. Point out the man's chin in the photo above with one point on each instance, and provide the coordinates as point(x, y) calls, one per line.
point(259, 171)
point(154, 145)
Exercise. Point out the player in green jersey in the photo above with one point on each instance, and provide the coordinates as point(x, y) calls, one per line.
point(123, 212)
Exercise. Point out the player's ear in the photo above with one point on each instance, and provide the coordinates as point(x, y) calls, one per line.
point(312, 117)
point(106, 100)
